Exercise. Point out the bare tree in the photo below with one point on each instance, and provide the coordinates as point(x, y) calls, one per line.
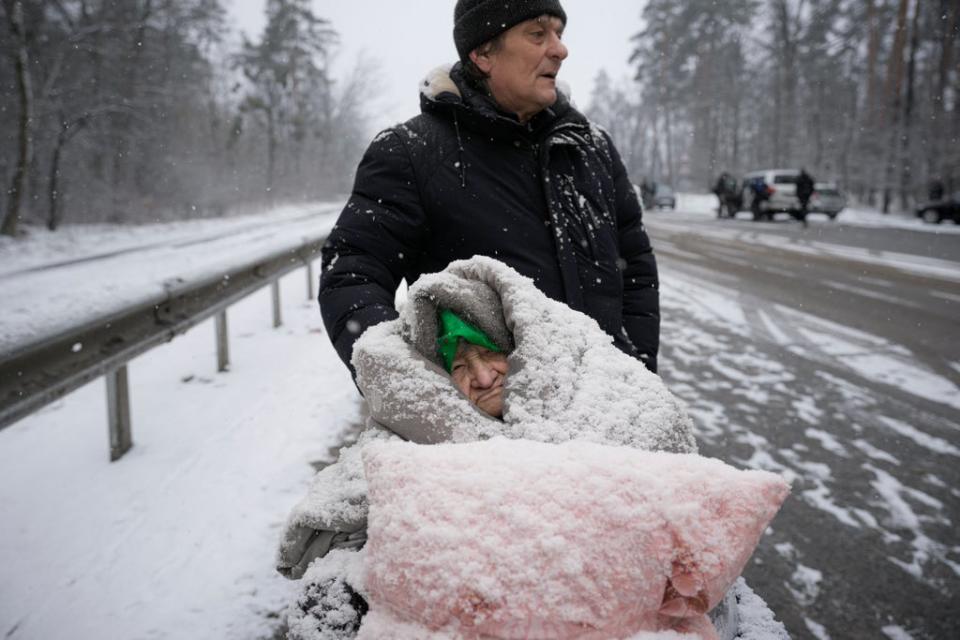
point(947, 32)
point(787, 24)
point(143, 103)
point(287, 73)
point(862, 91)
point(906, 166)
point(894, 96)
point(13, 10)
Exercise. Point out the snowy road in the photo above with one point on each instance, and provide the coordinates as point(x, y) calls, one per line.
point(834, 361)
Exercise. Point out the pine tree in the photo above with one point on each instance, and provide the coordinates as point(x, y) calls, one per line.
point(290, 87)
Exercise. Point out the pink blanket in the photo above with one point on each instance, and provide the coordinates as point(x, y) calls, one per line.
point(518, 539)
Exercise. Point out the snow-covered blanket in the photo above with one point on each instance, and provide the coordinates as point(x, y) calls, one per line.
point(567, 381)
point(742, 614)
point(521, 539)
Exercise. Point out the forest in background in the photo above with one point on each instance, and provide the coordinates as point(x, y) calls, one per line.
point(862, 92)
point(141, 110)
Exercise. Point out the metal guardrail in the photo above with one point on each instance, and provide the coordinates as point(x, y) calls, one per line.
point(39, 373)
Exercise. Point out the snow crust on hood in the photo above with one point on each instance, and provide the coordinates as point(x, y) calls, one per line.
point(566, 380)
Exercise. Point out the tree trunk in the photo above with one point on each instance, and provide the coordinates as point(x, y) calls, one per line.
point(906, 166)
point(654, 169)
point(786, 100)
point(817, 126)
point(949, 9)
point(21, 61)
point(953, 161)
point(778, 117)
point(938, 122)
point(849, 138)
point(271, 153)
point(130, 91)
point(894, 87)
point(54, 192)
point(869, 146)
point(669, 136)
point(53, 184)
point(873, 51)
point(735, 156)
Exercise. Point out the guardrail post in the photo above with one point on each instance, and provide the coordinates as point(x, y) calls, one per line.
point(309, 279)
point(118, 412)
point(275, 290)
point(223, 346)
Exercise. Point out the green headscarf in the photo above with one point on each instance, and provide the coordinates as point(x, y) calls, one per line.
point(451, 329)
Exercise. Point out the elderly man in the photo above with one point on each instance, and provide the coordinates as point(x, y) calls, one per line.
point(498, 164)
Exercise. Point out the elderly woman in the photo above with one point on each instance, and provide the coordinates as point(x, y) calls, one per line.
point(477, 352)
point(476, 365)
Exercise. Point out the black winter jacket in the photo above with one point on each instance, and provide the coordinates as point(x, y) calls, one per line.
point(550, 198)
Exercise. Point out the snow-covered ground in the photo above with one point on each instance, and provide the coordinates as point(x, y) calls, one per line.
point(175, 540)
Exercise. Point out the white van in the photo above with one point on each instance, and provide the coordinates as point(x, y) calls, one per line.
point(781, 189)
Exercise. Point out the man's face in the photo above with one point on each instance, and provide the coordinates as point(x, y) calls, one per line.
point(479, 374)
point(523, 71)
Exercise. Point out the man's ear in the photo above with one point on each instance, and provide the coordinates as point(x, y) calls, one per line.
point(481, 60)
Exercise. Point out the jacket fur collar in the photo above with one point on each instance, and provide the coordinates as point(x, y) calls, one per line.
point(446, 90)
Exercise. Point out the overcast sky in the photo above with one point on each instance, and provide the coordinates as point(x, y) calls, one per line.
point(409, 38)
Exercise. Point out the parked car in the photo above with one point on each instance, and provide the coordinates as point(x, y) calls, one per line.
point(664, 197)
point(766, 193)
point(828, 199)
point(937, 211)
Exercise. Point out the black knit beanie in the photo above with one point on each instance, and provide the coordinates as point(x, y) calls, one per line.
point(478, 21)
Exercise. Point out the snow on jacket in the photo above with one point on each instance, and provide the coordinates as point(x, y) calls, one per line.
point(550, 198)
point(567, 380)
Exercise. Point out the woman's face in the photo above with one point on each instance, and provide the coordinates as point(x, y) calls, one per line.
point(479, 373)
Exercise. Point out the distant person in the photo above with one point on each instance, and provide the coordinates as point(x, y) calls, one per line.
point(805, 186)
point(727, 195)
point(648, 190)
point(935, 190)
point(499, 163)
point(761, 193)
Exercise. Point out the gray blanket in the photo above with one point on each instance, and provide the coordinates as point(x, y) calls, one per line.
point(566, 381)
